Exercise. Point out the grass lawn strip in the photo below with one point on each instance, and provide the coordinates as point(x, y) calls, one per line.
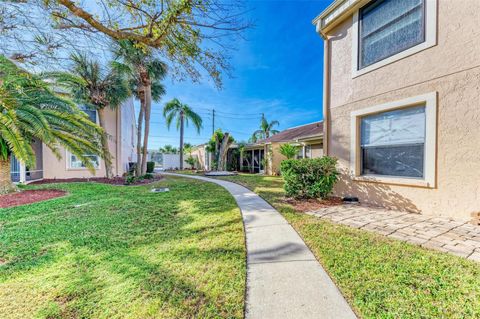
point(381, 277)
point(118, 252)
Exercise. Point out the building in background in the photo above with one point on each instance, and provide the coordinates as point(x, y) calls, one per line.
point(122, 132)
point(264, 156)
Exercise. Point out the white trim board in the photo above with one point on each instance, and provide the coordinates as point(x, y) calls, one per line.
point(430, 41)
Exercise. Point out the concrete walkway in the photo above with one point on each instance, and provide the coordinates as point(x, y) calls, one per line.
point(457, 237)
point(284, 280)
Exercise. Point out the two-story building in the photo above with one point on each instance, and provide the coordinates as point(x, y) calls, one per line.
point(402, 102)
point(122, 141)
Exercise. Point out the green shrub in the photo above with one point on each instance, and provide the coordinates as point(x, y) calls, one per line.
point(192, 161)
point(130, 179)
point(150, 167)
point(289, 150)
point(147, 176)
point(309, 178)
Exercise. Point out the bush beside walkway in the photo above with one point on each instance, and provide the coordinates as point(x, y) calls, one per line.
point(381, 277)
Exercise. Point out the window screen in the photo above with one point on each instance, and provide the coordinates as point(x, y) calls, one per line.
point(393, 143)
point(388, 27)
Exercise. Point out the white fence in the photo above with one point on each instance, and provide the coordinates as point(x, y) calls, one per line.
point(172, 161)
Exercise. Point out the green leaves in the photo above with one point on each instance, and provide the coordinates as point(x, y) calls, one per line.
point(309, 178)
point(30, 110)
point(288, 150)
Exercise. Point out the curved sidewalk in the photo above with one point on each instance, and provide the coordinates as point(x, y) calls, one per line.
point(284, 280)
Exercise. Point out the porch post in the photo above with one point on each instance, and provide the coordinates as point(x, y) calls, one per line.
point(304, 151)
point(252, 168)
point(241, 161)
point(23, 173)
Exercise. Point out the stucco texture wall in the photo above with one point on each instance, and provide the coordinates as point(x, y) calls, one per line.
point(452, 69)
point(57, 168)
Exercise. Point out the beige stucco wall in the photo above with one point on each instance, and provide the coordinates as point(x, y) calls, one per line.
point(317, 150)
point(451, 68)
point(122, 152)
point(275, 159)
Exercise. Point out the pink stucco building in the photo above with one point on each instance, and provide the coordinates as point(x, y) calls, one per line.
point(401, 102)
point(121, 130)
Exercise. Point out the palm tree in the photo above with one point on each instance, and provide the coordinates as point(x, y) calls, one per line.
point(30, 110)
point(183, 114)
point(168, 149)
point(144, 72)
point(90, 84)
point(266, 130)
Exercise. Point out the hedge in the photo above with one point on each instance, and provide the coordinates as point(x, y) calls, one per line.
point(309, 178)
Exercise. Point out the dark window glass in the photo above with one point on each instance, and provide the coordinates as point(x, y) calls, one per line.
point(399, 160)
point(388, 27)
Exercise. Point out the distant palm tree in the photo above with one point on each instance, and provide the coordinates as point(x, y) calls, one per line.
point(30, 110)
point(144, 72)
point(96, 87)
point(266, 130)
point(168, 149)
point(183, 114)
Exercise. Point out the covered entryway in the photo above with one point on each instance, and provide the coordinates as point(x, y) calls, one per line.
point(21, 173)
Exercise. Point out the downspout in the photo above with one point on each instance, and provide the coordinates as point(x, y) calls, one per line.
point(326, 89)
point(119, 143)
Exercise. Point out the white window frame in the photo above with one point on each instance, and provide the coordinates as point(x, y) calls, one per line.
point(430, 41)
point(430, 154)
point(69, 162)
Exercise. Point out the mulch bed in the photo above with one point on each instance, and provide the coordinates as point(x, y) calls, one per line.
point(29, 197)
point(307, 205)
point(111, 181)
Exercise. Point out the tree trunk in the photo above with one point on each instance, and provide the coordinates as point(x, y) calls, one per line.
point(223, 152)
point(6, 185)
point(107, 157)
point(148, 111)
point(141, 114)
point(181, 138)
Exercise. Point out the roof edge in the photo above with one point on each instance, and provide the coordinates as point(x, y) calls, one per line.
point(336, 13)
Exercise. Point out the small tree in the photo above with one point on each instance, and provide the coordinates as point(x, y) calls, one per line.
point(192, 161)
point(219, 145)
point(183, 114)
point(266, 130)
point(288, 150)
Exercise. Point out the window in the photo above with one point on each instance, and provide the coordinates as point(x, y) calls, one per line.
point(73, 161)
point(92, 113)
point(308, 151)
point(388, 27)
point(76, 163)
point(393, 143)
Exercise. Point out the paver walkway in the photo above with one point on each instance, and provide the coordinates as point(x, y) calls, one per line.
point(284, 280)
point(443, 234)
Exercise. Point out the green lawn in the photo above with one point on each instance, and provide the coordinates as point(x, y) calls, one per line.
point(381, 277)
point(124, 252)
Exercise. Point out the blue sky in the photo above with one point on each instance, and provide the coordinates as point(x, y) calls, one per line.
point(277, 71)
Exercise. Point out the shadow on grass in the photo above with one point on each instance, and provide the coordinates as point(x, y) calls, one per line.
point(145, 241)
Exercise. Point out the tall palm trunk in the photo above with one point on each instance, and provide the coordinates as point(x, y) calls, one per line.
point(148, 111)
point(182, 115)
point(107, 157)
point(6, 185)
point(141, 114)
